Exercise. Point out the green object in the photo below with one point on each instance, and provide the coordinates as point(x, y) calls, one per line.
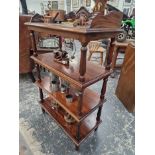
point(129, 22)
point(128, 26)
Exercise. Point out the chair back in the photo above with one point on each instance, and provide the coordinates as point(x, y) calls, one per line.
point(93, 46)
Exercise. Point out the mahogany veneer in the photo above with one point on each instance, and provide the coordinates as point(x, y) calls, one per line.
point(87, 126)
point(80, 74)
point(70, 73)
point(84, 34)
point(91, 100)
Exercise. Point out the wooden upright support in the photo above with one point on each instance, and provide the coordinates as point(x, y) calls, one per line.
point(33, 41)
point(102, 97)
point(82, 69)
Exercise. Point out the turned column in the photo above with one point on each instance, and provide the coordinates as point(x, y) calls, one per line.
point(78, 131)
point(33, 41)
point(109, 54)
point(78, 135)
point(40, 90)
point(82, 69)
point(39, 79)
point(102, 97)
point(33, 51)
point(60, 42)
point(80, 100)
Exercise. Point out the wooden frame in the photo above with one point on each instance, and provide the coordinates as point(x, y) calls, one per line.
point(88, 3)
point(87, 105)
point(75, 3)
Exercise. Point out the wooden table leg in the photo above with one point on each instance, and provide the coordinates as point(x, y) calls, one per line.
point(31, 66)
point(32, 77)
point(82, 69)
point(109, 54)
point(80, 99)
point(38, 73)
point(78, 131)
point(77, 135)
point(41, 95)
point(76, 148)
point(102, 96)
point(33, 41)
point(103, 90)
point(101, 60)
point(60, 42)
point(40, 90)
point(114, 58)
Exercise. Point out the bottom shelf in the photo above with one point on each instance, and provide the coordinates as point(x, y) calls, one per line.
point(87, 126)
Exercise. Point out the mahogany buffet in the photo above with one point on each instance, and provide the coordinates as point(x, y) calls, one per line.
point(86, 106)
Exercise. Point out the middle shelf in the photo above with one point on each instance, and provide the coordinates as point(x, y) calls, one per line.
point(91, 100)
point(70, 73)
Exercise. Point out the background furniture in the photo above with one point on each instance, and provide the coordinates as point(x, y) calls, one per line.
point(25, 65)
point(125, 90)
point(118, 47)
point(25, 49)
point(95, 47)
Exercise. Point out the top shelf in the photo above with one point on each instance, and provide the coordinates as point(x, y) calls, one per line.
point(68, 27)
point(82, 33)
point(70, 73)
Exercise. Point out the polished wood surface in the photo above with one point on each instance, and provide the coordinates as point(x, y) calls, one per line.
point(87, 126)
point(91, 100)
point(83, 34)
point(83, 63)
point(111, 20)
point(125, 90)
point(79, 74)
point(70, 73)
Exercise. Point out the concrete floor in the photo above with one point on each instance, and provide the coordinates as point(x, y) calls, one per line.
point(23, 146)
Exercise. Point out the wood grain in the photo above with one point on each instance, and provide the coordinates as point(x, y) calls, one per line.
point(82, 33)
point(125, 90)
point(70, 73)
point(91, 100)
point(87, 126)
point(112, 20)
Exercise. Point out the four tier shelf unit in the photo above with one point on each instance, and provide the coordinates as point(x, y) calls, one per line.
point(87, 106)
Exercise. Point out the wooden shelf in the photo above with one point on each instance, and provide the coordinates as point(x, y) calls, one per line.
point(79, 74)
point(91, 100)
point(87, 126)
point(70, 73)
point(69, 28)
